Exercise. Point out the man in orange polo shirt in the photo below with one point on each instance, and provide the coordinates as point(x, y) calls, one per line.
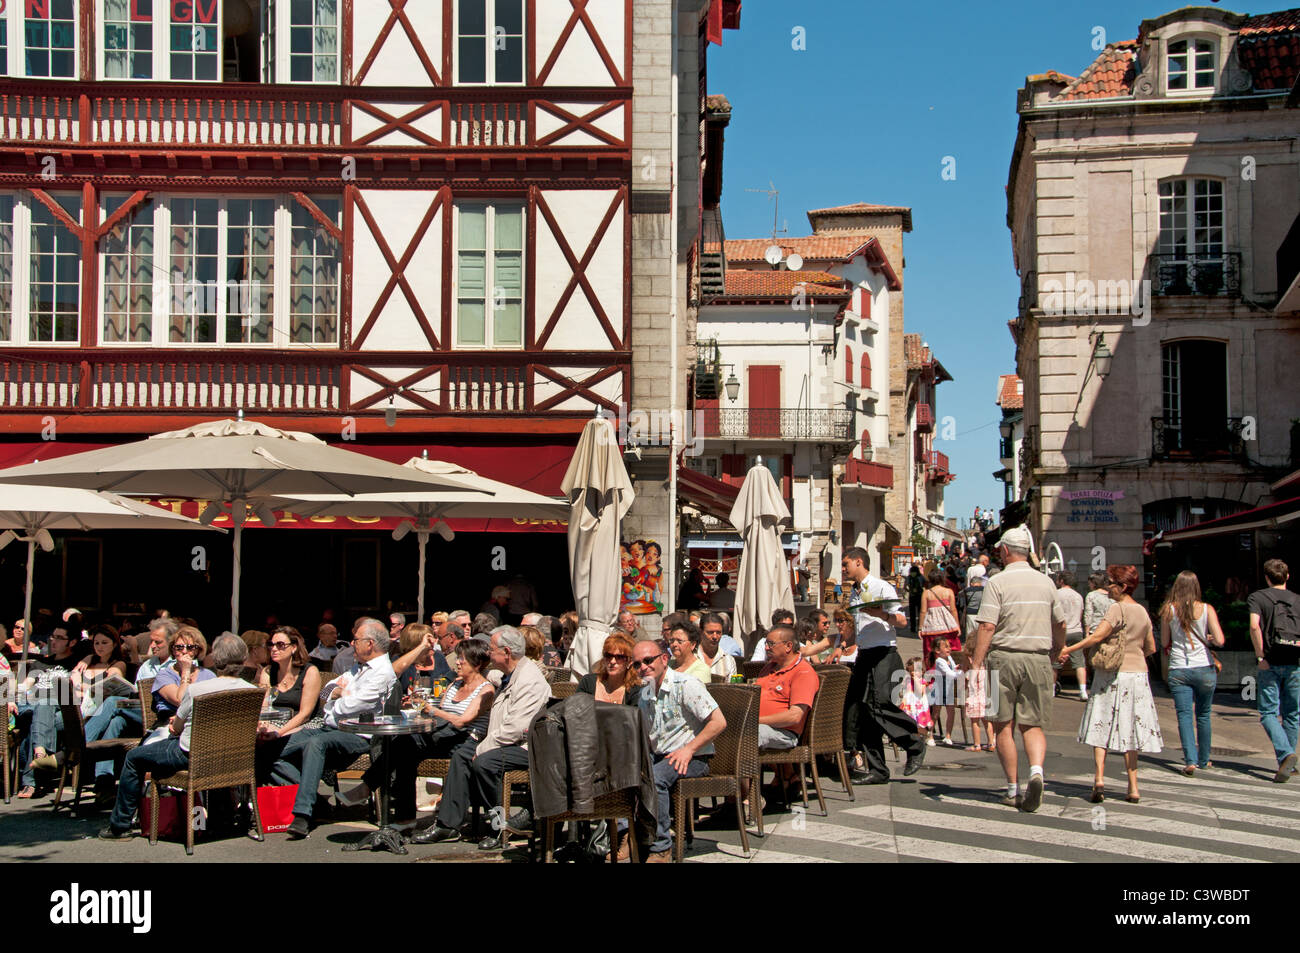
point(788, 685)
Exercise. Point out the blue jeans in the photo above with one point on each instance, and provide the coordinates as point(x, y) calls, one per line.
point(1279, 706)
point(42, 732)
point(315, 749)
point(111, 720)
point(160, 759)
point(665, 777)
point(1193, 691)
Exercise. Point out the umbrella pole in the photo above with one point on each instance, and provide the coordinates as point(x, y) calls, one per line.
point(423, 537)
point(27, 609)
point(234, 585)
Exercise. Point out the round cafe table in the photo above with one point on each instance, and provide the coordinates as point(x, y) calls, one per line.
point(384, 728)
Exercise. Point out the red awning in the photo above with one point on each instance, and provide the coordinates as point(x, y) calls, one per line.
point(539, 468)
point(1261, 517)
point(709, 495)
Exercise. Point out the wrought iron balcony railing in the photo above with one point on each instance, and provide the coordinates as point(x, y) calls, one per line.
point(781, 423)
point(1180, 274)
point(1192, 439)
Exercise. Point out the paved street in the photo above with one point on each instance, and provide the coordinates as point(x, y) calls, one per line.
point(947, 812)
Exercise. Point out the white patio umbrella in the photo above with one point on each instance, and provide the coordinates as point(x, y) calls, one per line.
point(763, 580)
point(600, 494)
point(427, 510)
point(230, 462)
point(29, 513)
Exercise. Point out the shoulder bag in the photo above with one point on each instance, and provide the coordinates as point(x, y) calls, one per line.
point(1214, 659)
point(1109, 655)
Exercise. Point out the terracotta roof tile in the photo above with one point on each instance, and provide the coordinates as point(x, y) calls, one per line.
point(836, 248)
point(783, 284)
point(1283, 21)
point(1111, 74)
point(1011, 394)
point(912, 351)
point(1272, 58)
point(858, 208)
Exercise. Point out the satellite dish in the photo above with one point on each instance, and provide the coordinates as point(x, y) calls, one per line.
point(773, 255)
point(794, 262)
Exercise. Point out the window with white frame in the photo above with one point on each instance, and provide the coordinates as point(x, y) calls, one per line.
point(1190, 66)
point(1191, 219)
point(127, 27)
point(46, 41)
point(490, 42)
point(233, 271)
point(128, 251)
point(6, 267)
point(54, 283)
point(4, 44)
point(314, 276)
point(310, 34)
point(489, 275)
point(194, 40)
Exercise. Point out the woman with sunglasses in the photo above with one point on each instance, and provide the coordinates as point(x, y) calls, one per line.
point(614, 680)
point(187, 649)
point(292, 682)
point(259, 655)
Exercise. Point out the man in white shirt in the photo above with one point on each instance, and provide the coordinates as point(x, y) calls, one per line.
point(361, 691)
point(872, 708)
point(719, 661)
point(327, 637)
point(1071, 603)
point(173, 753)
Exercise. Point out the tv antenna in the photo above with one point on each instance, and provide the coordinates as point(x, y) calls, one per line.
point(774, 194)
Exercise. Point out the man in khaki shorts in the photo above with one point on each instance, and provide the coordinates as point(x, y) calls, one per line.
point(1021, 629)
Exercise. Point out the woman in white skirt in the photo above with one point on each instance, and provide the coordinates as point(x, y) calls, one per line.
point(1121, 714)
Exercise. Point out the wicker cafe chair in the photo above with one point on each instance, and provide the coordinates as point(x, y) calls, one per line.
point(555, 674)
point(563, 689)
point(148, 716)
point(610, 808)
point(77, 751)
point(802, 753)
point(223, 737)
point(751, 669)
point(826, 735)
point(732, 761)
point(9, 758)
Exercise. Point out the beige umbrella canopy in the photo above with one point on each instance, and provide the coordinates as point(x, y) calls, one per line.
point(600, 494)
point(426, 509)
point(28, 513)
point(234, 462)
point(762, 582)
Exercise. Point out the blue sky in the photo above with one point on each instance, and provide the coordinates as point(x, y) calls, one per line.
point(868, 113)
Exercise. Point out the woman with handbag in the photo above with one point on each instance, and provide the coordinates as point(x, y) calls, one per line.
point(939, 617)
point(1120, 714)
point(1188, 627)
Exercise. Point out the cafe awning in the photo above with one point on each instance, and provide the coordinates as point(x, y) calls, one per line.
point(705, 493)
point(1269, 516)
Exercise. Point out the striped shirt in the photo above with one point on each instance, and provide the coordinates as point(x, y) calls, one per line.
point(476, 728)
point(1021, 603)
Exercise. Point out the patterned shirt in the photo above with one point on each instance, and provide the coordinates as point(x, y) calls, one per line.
point(677, 712)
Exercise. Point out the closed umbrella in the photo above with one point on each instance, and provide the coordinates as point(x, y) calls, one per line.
point(29, 513)
point(230, 462)
point(600, 494)
point(763, 582)
point(427, 509)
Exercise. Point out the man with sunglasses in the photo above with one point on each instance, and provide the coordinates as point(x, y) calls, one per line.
point(683, 719)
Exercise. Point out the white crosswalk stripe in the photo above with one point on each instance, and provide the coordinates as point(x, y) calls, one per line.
point(1043, 829)
point(1212, 794)
point(726, 853)
point(1119, 814)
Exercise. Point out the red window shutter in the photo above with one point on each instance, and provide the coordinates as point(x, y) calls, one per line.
point(787, 478)
point(708, 409)
point(764, 400)
point(866, 371)
point(733, 468)
point(848, 364)
point(864, 309)
point(866, 439)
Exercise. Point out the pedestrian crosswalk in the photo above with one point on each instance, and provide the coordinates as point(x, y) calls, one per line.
point(1228, 817)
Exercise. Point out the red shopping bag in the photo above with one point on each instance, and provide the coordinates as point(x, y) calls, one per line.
point(171, 817)
point(275, 805)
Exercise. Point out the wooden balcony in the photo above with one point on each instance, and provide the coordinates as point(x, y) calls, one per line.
point(253, 116)
point(865, 473)
point(924, 418)
point(142, 381)
point(936, 468)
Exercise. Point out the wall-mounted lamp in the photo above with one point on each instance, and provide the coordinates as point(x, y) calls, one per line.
point(1006, 428)
point(1101, 356)
point(732, 386)
point(390, 413)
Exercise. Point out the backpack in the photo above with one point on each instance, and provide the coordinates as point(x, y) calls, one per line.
point(1283, 623)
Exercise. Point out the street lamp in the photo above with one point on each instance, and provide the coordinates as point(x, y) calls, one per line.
point(1101, 356)
point(732, 386)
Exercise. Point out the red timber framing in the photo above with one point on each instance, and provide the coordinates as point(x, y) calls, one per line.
point(180, 138)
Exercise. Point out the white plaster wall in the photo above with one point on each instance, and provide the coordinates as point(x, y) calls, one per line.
point(363, 123)
point(397, 63)
point(363, 387)
point(544, 388)
point(397, 214)
point(578, 213)
point(579, 64)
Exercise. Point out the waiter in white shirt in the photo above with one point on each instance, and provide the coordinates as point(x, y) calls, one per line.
point(872, 708)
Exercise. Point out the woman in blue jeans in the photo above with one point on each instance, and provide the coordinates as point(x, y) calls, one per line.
point(1188, 627)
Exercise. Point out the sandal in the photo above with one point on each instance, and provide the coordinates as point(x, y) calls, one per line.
point(1098, 794)
point(27, 793)
point(1189, 770)
point(990, 747)
point(975, 748)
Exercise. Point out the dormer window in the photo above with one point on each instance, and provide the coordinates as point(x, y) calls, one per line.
point(1190, 66)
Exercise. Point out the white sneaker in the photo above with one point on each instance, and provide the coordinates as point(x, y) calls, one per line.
point(1083, 694)
point(929, 742)
point(353, 796)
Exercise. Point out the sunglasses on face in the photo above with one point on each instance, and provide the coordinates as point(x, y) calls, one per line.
point(278, 645)
point(646, 662)
point(185, 648)
point(614, 657)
